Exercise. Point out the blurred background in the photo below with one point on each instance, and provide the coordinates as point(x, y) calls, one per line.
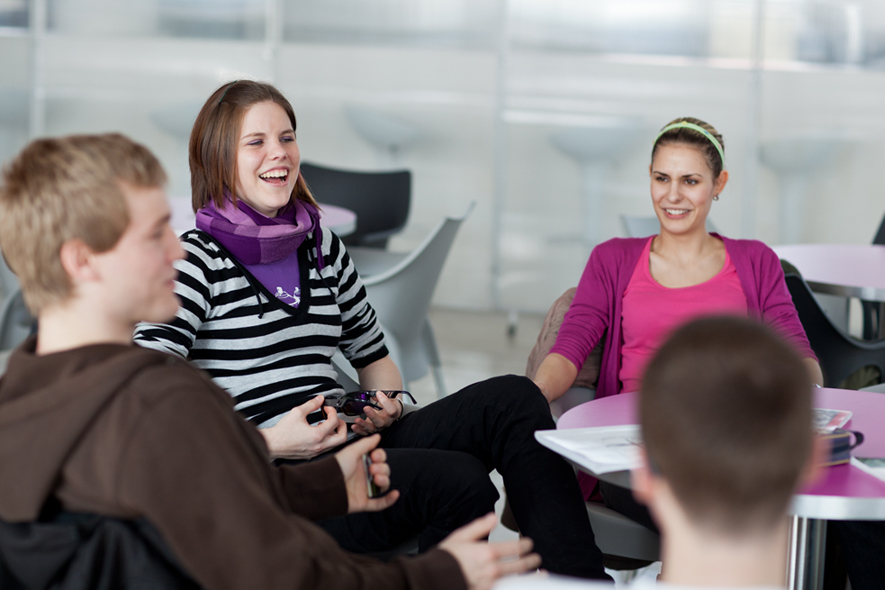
point(543, 111)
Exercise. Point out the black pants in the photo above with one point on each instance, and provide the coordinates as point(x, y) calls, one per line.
point(863, 549)
point(440, 459)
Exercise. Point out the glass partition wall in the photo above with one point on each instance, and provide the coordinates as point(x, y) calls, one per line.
point(543, 111)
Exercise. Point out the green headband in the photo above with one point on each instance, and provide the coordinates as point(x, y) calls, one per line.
point(223, 94)
point(699, 129)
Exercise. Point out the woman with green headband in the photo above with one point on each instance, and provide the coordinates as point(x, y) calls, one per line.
point(636, 291)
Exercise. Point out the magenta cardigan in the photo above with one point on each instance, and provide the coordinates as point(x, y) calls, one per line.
point(596, 310)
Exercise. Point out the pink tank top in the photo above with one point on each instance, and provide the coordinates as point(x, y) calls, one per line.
point(651, 312)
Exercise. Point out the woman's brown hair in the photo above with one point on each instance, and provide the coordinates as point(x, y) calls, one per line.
point(212, 151)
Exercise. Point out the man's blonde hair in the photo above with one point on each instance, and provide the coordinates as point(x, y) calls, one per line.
point(67, 188)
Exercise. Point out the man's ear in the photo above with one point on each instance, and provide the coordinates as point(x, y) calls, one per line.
point(78, 261)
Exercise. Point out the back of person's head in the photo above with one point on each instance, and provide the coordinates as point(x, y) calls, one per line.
point(725, 410)
point(60, 189)
point(700, 140)
point(212, 152)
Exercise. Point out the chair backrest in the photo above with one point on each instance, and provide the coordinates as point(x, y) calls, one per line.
point(879, 238)
point(401, 295)
point(381, 200)
point(839, 354)
point(8, 280)
point(641, 226)
point(16, 322)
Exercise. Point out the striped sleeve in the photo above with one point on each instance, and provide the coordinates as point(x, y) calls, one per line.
point(198, 274)
point(362, 341)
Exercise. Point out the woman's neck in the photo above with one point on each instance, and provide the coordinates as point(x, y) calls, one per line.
point(685, 247)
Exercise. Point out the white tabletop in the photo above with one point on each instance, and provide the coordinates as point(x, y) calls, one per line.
point(850, 270)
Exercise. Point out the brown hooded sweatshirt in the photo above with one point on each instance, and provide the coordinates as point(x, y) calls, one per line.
point(128, 432)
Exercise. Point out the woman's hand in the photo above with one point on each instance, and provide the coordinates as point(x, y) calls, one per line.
point(350, 460)
point(391, 410)
point(293, 438)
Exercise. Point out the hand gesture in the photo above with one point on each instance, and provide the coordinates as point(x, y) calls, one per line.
point(350, 459)
point(376, 420)
point(293, 438)
point(482, 563)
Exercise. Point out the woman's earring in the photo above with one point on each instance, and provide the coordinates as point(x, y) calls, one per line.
point(715, 197)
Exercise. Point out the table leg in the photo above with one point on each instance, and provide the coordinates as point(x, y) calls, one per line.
point(805, 567)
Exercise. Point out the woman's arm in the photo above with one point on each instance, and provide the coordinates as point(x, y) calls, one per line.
point(193, 288)
point(381, 375)
point(555, 375)
point(814, 372)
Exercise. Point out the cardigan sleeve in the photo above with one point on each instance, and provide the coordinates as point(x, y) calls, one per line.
point(776, 304)
point(589, 313)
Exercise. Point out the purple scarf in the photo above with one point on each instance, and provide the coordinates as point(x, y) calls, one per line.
point(255, 239)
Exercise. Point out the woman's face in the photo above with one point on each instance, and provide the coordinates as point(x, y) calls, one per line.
point(682, 188)
point(268, 159)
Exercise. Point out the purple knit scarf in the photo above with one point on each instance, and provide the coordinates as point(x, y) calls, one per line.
point(255, 239)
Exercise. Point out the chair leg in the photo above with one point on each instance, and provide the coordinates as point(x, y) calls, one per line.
point(429, 341)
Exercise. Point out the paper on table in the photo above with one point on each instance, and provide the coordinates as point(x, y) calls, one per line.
point(829, 420)
point(601, 449)
point(875, 467)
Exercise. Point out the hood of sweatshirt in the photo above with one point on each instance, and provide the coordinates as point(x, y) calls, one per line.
point(47, 404)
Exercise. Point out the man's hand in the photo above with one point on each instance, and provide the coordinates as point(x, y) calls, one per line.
point(482, 563)
point(376, 420)
point(293, 438)
point(350, 459)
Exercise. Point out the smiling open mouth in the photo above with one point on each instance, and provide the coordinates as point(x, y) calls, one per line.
point(275, 176)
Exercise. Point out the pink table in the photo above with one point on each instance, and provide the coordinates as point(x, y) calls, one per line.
point(848, 270)
point(338, 219)
point(843, 493)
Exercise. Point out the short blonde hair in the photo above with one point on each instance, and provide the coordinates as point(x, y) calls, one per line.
point(60, 189)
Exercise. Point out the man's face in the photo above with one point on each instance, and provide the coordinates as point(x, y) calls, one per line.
point(137, 275)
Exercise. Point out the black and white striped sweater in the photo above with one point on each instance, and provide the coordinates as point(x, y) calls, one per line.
point(267, 354)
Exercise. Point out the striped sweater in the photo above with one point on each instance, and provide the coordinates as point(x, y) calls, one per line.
point(268, 355)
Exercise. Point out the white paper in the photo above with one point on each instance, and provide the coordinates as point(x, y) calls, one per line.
point(602, 449)
point(875, 467)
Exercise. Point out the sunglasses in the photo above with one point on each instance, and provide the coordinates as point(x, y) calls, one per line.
point(355, 402)
point(367, 395)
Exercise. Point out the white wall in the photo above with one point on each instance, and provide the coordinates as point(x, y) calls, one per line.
point(145, 83)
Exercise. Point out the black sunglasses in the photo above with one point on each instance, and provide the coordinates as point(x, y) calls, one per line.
point(348, 405)
point(367, 395)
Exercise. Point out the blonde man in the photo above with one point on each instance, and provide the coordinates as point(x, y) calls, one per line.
point(91, 424)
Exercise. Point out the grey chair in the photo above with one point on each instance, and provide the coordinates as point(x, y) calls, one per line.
point(400, 287)
point(381, 200)
point(16, 322)
point(640, 226)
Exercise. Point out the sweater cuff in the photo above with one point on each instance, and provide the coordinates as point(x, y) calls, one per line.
point(315, 490)
point(436, 568)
